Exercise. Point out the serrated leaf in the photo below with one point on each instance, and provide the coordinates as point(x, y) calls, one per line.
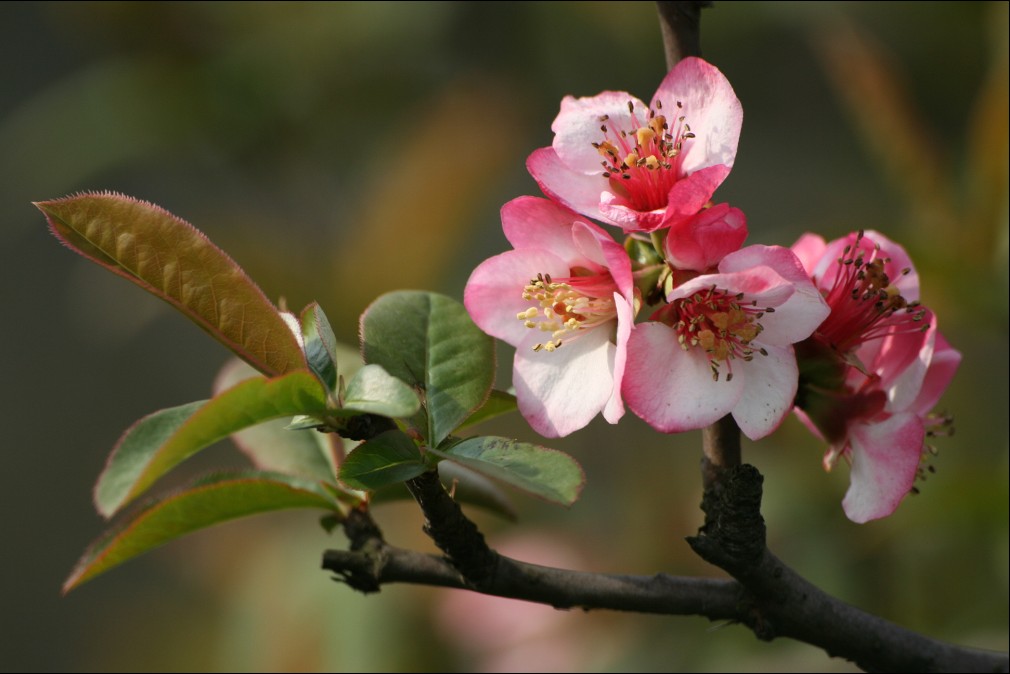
point(208, 502)
point(320, 345)
point(171, 259)
point(428, 340)
point(497, 404)
point(152, 447)
point(548, 473)
point(374, 391)
point(388, 458)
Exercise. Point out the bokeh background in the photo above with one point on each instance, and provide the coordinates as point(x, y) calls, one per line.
point(341, 150)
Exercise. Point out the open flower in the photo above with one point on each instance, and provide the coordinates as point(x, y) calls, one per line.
point(565, 299)
point(873, 370)
point(722, 345)
point(643, 167)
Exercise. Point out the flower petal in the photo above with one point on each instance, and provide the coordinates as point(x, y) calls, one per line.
point(770, 384)
point(710, 107)
point(804, 310)
point(580, 192)
point(672, 389)
point(942, 367)
point(598, 246)
point(493, 295)
point(625, 323)
point(561, 391)
point(702, 241)
point(577, 127)
point(535, 222)
point(885, 458)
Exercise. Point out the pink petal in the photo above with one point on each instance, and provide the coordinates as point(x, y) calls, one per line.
point(625, 323)
point(493, 295)
point(885, 457)
point(770, 384)
point(710, 107)
point(701, 242)
point(598, 246)
point(561, 391)
point(942, 367)
point(535, 222)
point(809, 249)
point(577, 126)
point(580, 192)
point(672, 389)
point(802, 313)
point(689, 194)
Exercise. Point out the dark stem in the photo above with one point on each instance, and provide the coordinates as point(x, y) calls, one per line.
point(680, 23)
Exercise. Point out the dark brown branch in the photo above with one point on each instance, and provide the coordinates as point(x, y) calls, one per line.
point(717, 599)
point(680, 24)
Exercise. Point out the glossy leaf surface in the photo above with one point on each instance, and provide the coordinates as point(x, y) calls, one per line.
point(386, 459)
point(552, 475)
point(429, 341)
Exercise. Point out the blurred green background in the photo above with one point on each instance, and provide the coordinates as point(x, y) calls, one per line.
point(340, 150)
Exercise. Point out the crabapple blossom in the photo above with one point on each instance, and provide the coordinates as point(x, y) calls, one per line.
point(661, 162)
point(722, 345)
point(700, 242)
point(565, 299)
point(873, 370)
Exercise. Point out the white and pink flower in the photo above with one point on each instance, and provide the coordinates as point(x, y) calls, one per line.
point(643, 167)
point(723, 345)
point(565, 299)
point(873, 370)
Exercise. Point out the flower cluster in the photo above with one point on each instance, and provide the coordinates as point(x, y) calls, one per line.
point(748, 331)
point(873, 371)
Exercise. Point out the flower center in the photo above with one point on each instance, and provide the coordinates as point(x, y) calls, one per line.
point(865, 305)
point(717, 322)
point(563, 307)
point(642, 163)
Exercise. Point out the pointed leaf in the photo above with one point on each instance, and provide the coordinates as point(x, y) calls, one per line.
point(148, 450)
point(385, 459)
point(428, 340)
point(547, 473)
point(374, 391)
point(271, 447)
point(497, 404)
point(320, 345)
point(173, 260)
point(208, 502)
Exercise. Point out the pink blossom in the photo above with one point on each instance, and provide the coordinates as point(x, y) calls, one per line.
point(873, 370)
point(702, 241)
point(565, 299)
point(723, 345)
point(660, 162)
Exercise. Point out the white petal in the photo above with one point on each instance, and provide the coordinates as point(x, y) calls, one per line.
point(561, 391)
point(770, 384)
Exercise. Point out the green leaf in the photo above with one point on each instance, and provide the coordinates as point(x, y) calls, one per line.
point(428, 340)
point(465, 485)
point(374, 391)
point(320, 345)
point(208, 502)
point(547, 473)
point(159, 442)
point(271, 447)
point(170, 258)
point(385, 459)
point(497, 404)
